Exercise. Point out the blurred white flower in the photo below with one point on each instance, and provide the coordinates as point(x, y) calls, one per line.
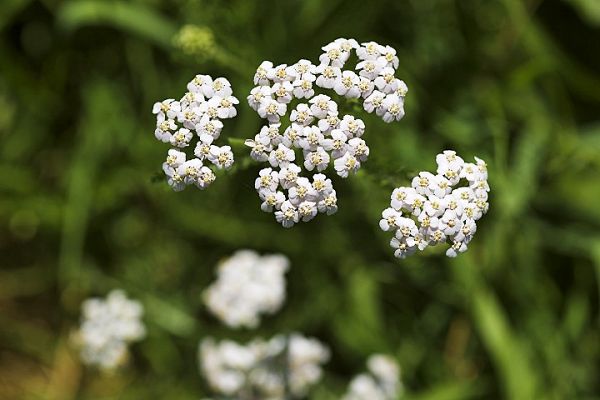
point(107, 327)
point(435, 209)
point(197, 114)
point(273, 369)
point(247, 286)
point(382, 382)
point(326, 138)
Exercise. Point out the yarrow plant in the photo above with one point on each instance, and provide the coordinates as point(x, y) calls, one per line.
point(317, 131)
point(197, 115)
point(270, 370)
point(107, 327)
point(382, 382)
point(438, 208)
point(247, 286)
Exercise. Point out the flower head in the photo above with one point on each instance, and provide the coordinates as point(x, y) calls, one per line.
point(107, 327)
point(317, 130)
point(435, 209)
point(197, 115)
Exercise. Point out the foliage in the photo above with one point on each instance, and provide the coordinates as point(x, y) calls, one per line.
point(84, 209)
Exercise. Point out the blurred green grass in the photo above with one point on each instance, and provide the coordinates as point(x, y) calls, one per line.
point(514, 82)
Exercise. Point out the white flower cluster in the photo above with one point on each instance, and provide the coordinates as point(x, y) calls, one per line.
point(262, 369)
point(198, 113)
point(107, 327)
point(248, 285)
point(381, 383)
point(435, 210)
point(316, 128)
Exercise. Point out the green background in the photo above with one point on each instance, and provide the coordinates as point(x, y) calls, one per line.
point(84, 207)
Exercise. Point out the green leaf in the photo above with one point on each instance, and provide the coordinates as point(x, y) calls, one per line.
point(129, 17)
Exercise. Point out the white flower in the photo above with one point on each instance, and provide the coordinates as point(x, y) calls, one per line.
point(394, 108)
point(282, 91)
point(444, 213)
point(450, 165)
point(305, 70)
point(258, 95)
point(269, 370)
point(352, 127)
point(322, 185)
point(311, 138)
point(220, 87)
point(318, 159)
point(359, 149)
point(382, 382)
point(271, 200)
point(271, 132)
point(271, 109)
point(107, 327)
point(336, 143)
point(248, 285)
point(261, 147)
point(205, 178)
point(221, 157)
point(327, 76)
point(435, 206)
point(346, 164)
point(374, 102)
point(456, 248)
point(292, 135)
point(288, 176)
point(282, 156)
point(315, 126)
point(201, 84)
point(202, 150)
point(209, 126)
point(370, 68)
point(423, 183)
point(164, 130)
point(189, 117)
point(302, 115)
point(190, 170)
point(402, 89)
point(370, 51)
point(347, 44)
point(181, 138)
point(389, 219)
point(389, 55)
point(302, 191)
point(282, 73)
point(366, 87)
point(175, 179)
point(303, 88)
point(305, 356)
point(347, 85)
point(199, 111)
point(386, 81)
point(191, 99)
point(211, 108)
point(261, 77)
point(450, 223)
point(329, 204)
point(287, 216)
point(226, 106)
point(166, 109)
point(307, 210)
point(322, 106)
point(174, 160)
point(408, 199)
point(334, 55)
point(330, 122)
point(267, 179)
